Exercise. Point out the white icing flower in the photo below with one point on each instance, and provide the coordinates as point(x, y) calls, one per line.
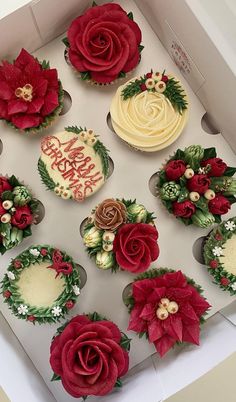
point(92, 141)
point(201, 170)
point(230, 225)
point(76, 290)
point(11, 275)
point(22, 309)
point(150, 83)
point(217, 251)
point(83, 135)
point(34, 252)
point(233, 286)
point(56, 311)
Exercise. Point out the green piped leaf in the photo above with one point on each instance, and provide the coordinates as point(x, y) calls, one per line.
point(66, 42)
point(209, 153)
point(118, 383)
point(102, 151)
point(47, 180)
point(13, 181)
point(230, 171)
point(55, 377)
point(140, 48)
point(85, 75)
point(7, 195)
point(130, 16)
point(45, 65)
point(74, 129)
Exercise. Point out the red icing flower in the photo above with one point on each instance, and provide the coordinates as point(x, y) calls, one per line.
point(43, 252)
point(28, 93)
point(104, 41)
point(17, 264)
point(184, 209)
point(199, 183)
point(88, 357)
point(181, 322)
point(218, 166)
point(4, 184)
point(175, 169)
point(219, 205)
point(213, 264)
point(224, 281)
point(218, 236)
point(69, 304)
point(31, 318)
point(135, 246)
point(7, 294)
point(22, 217)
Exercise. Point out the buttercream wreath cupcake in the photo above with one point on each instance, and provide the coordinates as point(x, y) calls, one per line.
point(167, 307)
point(103, 44)
point(41, 284)
point(31, 95)
point(197, 186)
point(18, 211)
point(74, 164)
point(150, 112)
point(219, 254)
point(89, 355)
point(121, 234)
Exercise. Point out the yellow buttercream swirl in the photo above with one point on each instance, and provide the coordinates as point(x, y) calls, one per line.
point(147, 121)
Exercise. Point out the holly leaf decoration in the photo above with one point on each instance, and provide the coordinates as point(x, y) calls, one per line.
point(230, 171)
point(125, 342)
point(13, 181)
point(7, 195)
point(179, 154)
point(209, 153)
point(118, 383)
point(27, 232)
point(85, 75)
point(218, 218)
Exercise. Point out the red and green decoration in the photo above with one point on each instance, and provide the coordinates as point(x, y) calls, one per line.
point(104, 43)
point(160, 83)
point(213, 253)
point(62, 264)
point(167, 307)
point(18, 211)
point(89, 355)
point(31, 95)
point(197, 186)
point(121, 234)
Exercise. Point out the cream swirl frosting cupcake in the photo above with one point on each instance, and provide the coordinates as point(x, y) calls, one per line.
point(149, 112)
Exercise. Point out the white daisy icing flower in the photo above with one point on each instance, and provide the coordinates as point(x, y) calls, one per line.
point(56, 311)
point(22, 309)
point(76, 290)
point(217, 251)
point(233, 286)
point(230, 225)
point(11, 276)
point(34, 252)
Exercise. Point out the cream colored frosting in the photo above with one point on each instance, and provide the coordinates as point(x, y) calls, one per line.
point(147, 121)
point(38, 286)
point(228, 259)
point(84, 166)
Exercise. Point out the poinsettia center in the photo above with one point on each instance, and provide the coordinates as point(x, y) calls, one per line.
point(25, 92)
point(166, 307)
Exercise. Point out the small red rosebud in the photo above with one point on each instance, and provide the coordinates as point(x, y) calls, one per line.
point(143, 87)
point(149, 75)
point(31, 318)
point(224, 281)
point(165, 78)
point(43, 251)
point(218, 236)
point(213, 264)
point(17, 264)
point(69, 304)
point(7, 294)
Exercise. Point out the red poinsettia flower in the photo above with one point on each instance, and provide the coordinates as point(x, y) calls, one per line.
point(28, 93)
point(168, 309)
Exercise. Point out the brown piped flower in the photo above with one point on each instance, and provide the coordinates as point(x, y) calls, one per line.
point(110, 214)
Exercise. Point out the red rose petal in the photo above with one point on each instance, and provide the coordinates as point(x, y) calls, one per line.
point(116, 334)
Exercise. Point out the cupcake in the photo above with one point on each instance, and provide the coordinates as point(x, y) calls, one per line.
point(41, 284)
point(196, 186)
point(167, 307)
point(74, 164)
point(150, 112)
point(89, 355)
point(103, 44)
point(219, 253)
point(31, 96)
point(18, 211)
point(121, 234)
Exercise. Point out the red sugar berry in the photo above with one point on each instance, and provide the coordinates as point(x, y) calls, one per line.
point(224, 281)
point(213, 264)
point(31, 318)
point(143, 87)
point(69, 304)
point(165, 78)
point(43, 251)
point(7, 294)
point(149, 75)
point(218, 236)
point(17, 264)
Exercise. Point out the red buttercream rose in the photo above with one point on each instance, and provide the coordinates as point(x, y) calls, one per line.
point(218, 166)
point(175, 169)
point(28, 93)
point(199, 183)
point(219, 205)
point(4, 183)
point(88, 357)
point(135, 246)
point(22, 217)
point(104, 41)
point(184, 209)
point(181, 324)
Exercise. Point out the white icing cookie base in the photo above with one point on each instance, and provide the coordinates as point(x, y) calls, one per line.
point(38, 286)
point(228, 259)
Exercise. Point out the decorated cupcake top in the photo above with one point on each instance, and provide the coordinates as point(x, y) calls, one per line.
point(18, 211)
point(74, 163)
point(104, 43)
point(121, 234)
point(220, 255)
point(167, 307)
point(197, 186)
point(150, 112)
point(31, 95)
point(41, 284)
point(89, 355)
